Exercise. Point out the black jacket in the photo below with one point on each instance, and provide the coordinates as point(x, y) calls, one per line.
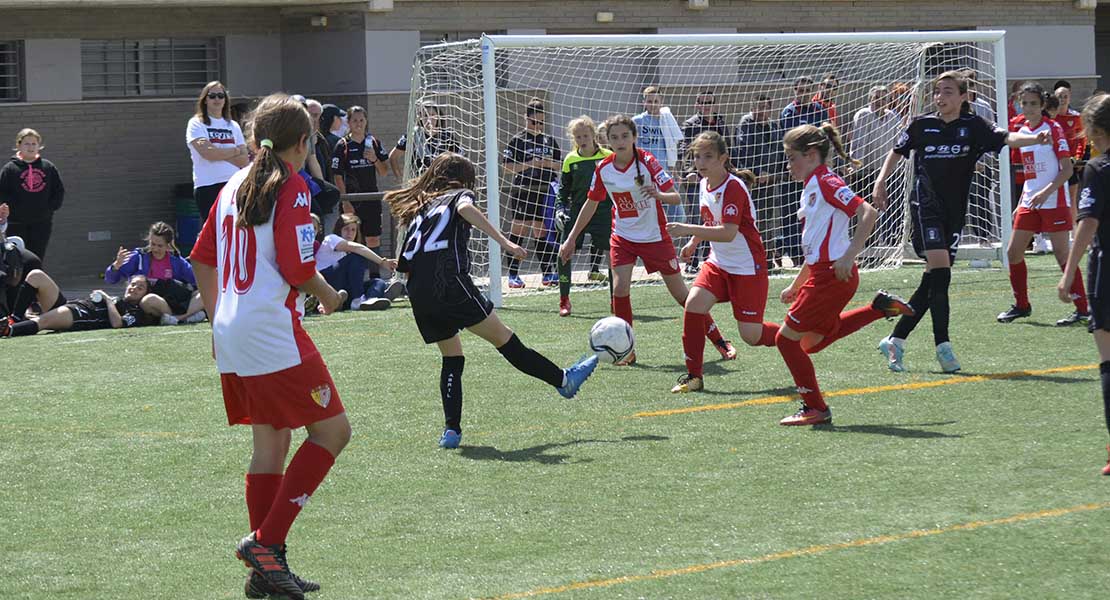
point(33, 191)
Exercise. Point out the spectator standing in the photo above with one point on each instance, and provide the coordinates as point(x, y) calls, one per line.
point(535, 160)
point(705, 119)
point(216, 145)
point(32, 189)
point(1069, 119)
point(759, 148)
point(358, 161)
point(874, 128)
point(333, 124)
point(430, 139)
point(325, 202)
point(658, 133)
point(802, 110)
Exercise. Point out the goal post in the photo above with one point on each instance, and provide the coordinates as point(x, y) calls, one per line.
point(478, 92)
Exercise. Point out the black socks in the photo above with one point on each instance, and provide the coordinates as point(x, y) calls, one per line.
point(450, 389)
point(530, 362)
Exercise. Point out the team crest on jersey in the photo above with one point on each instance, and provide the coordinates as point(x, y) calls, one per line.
point(674, 264)
point(962, 132)
point(306, 241)
point(812, 200)
point(1085, 199)
point(902, 139)
point(321, 395)
point(731, 210)
point(302, 200)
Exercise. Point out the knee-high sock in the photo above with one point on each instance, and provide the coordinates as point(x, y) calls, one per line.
point(938, 303)
point(306, 471)
point(1079, 294)
point(622, 307)
point(920, 303)
point(27, 327)
point(564, 276)
point(450, 391)
point(693, 342)
point(530, 362)
point(1019, 281)
point(1104, 372)
point(801, 368)
point(770, 332)
point(261, 490)
point(510, 261)
point(711, 330)
point(851, 321)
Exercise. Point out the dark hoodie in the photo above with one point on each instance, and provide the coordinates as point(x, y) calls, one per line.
point(33, 191)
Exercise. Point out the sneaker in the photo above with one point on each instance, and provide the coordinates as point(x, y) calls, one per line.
point(395, 290)
point(808, 416)
point(269, 562)
point(450, 439)
point(311, 305)
point(597, 276)
point(947, 358)
point(893, 353)
point(550, 279)
point(577, 374)
point(1073, 318)
point(891, 305)
point(516, 282)
point(1015, 312)
point(374, 304)
point(256, 585)
point(355, 302)
point(197, 317)
point(564, 306)
point(688, 383)
point(628, 360)
point(727, 350)
point(1106, 469)
point(169, 320)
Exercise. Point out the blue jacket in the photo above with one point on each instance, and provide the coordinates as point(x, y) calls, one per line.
point(139, 264)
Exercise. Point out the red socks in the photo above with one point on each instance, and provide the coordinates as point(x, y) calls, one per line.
point(261, 489)
point(850, 322)
point(770, 332)
point(622, 307)
point(801, 367)
point(711, 330)
point(1079, 294)
point(1019, 280)
point(693, 341)
point(308, 468)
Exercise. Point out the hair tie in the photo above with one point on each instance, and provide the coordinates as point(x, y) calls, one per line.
point(267, 143)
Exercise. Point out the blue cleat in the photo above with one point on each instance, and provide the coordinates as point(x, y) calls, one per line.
point(947, 358)
point(516, 282)
point(577, 374)
point(450, 439)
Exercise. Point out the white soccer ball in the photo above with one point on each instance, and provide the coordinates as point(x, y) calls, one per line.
point(611, 338)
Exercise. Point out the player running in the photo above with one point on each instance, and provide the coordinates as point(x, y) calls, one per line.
point(253, 263)
point(437, 210)
point(639, 223)
point(946, 145)
point(1044, 206)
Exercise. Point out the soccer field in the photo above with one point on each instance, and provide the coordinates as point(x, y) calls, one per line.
point(120, 479)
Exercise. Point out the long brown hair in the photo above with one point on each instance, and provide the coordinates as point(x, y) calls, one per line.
point(164, 231)
point(804, 137)
point(345, 220)
point(279, 123)
point(447, 171)
point(627, 121)
point(1096, 113)
point(202, 106)
point(714, 141)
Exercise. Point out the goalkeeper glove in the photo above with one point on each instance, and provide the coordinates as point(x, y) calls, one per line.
point(562, 217)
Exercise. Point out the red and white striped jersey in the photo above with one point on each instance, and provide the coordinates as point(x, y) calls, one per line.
point(637, 217)
point(731, 202)
point(828, 205)
point(257, 326)
point(1041, 164)
point(1072, 124)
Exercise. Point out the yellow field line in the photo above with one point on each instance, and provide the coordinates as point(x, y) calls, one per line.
point(921, 385)
point(807, 551)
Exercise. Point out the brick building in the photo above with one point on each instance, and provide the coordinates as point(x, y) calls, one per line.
point(111, 87)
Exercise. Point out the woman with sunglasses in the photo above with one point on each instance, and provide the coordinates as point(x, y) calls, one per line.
point(216, 145)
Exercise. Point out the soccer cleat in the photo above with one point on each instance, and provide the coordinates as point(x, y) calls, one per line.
point(394, 290)
point(727, 350)
point(450, 439)
point(808, 416)
point(628, 360)
point(374, 304)
point(564, 306)
point(550, 279)
point(597, 276)
point(688, 383)
point(947, 358)
point(893, 353)
point(515, 282)
point(1015, 312)
point(256, 586)
point(269, 562)
point(311, 305)
point(891, 305)
point(577, 374)
point(1106, 469)
point(1073, 318)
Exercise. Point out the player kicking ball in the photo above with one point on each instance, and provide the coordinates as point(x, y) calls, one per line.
point(437, 210)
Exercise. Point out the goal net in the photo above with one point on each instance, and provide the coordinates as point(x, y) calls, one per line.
point(473, 97)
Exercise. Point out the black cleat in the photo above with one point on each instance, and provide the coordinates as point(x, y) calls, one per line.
point(1073, 318)
point(890, 305)
point(1014, 313)
point(257, 586)
point(269, 563)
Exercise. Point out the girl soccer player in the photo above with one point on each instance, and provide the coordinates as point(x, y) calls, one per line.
point(578, 173)
point(1044, 206)
point(829, 277)
point(945, 146)
point(736, 270)
point(253, 263)
point(437, 210)
point(639, 224)
point(1094, 230)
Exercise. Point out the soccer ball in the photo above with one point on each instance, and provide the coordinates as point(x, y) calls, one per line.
point(611, 338)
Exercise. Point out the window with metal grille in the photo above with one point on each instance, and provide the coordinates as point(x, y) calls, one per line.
point(11, 71)
point(149, 68)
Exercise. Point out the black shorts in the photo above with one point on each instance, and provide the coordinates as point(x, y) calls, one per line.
point(599, 236)
point(88, 316)
point(205, 196)
point(370, 213)
point(443, 311)
point(176, 294)
point(528, 203)
point(935, 230)
point(1098, 290)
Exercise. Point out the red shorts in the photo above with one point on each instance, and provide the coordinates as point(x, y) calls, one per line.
point(657, 256)
point(748, 293)
point(1043, 220)
point(292, 398)
point(818, 304)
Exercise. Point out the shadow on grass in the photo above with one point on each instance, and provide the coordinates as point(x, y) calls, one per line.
point(539, 454)
point(895, 430)
point(1019, 377)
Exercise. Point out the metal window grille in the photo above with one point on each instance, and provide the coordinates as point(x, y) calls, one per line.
point(11, 71)
point(149, 68)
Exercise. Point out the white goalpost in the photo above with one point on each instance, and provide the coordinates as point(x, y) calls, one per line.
point(472, 96)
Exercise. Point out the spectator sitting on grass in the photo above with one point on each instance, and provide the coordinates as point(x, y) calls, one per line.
point(344, 261)
point(98, 311)
point(170, 276)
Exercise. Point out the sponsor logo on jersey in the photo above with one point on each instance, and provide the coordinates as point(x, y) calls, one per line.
point(902, 139)
point(661, 178)
point(302, 200)
point(932, 234)
point(321, 395)
point(1062, 145)
point(844, 195)
point(1085, 199)
point(731, 210)
point(929, 131)
point(306, 241)
point(930, 148)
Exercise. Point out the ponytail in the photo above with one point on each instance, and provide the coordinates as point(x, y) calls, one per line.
point(833, 135)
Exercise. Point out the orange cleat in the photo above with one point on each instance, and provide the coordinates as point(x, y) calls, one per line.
point(891, 305)
point(808, 416)
point(727, 350)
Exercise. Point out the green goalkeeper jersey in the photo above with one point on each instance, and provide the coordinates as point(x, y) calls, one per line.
point(578, 174)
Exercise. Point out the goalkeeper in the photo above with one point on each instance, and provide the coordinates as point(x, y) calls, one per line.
point(578, 173)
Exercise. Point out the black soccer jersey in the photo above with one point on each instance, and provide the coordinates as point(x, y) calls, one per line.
point(1093, 200)
point(526, 146)
point(944, 157)
point(435, 254)
point(352, 161)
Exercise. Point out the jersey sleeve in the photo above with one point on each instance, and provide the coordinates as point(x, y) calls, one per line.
point(1059, 141)
point(1092, 196)
point(379, 151)
point(735, 204)
point(204, 250)
point(402, 142)
point(294, 233)
point(597, 191)
point(905, 142)
point(837, 193)
point(989, 137)
point(339, 157)
point(662, 179)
